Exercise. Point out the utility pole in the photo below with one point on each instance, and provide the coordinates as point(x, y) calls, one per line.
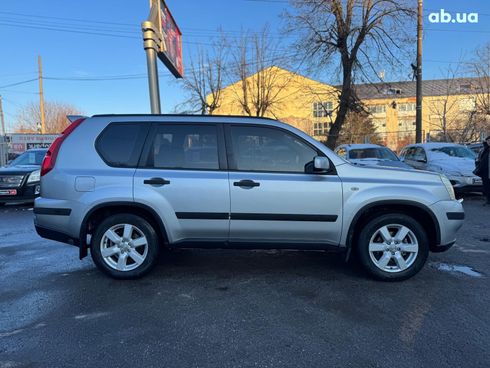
point(2, 118)
point(151, 42)
point(418, 117)
point(41, 95)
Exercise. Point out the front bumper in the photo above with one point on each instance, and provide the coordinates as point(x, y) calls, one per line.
point(450, 217)
point(442, 248)
point(466, 184)
point(25, 193)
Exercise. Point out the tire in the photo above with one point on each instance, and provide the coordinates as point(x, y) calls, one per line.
point(130, 237)
point(384, 256)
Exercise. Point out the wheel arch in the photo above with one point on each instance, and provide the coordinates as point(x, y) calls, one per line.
point(421, 213)
point(103, 210)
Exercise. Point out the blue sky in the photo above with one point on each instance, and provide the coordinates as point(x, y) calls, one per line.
point(79, 54)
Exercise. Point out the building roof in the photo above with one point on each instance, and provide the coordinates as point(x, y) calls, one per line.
point(437, 87)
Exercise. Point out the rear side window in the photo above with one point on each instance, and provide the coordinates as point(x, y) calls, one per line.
point(120, 144)
point(184, 146)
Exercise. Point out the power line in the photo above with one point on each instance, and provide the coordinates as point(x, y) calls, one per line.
point(60, 29)
point(456, 31)
point(18, 83)
point(22, 92)
point(66, 18)
point(105, 25)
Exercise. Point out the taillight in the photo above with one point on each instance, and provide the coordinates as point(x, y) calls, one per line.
point(50, 158)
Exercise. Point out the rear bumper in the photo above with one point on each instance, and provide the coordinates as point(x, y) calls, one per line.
point(56, 235)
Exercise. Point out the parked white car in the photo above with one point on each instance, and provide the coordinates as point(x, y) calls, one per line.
point(370, 155)
point(455, 161)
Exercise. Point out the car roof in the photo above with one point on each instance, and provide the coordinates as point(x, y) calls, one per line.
point(434, 145)
point(360, 146)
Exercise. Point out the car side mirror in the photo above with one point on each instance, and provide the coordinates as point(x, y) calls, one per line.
point(321, 164)
point(422, 160)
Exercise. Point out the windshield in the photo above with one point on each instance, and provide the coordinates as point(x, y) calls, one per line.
point(29, 158)
point(381, 153)
point(455, 151)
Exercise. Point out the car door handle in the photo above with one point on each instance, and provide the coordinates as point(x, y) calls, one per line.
point(246, 183)
point(156, 181)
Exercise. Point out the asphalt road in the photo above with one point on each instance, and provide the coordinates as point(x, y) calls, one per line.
point(241, 308)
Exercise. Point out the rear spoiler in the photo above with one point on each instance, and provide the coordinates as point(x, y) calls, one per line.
point(72, 118)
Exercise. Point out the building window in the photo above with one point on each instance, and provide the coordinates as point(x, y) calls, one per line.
point(377, 109)
point(407, 107)
point(320, 129)
point(380, 124)
point(322, 109)
point(467, 104)
point(406, 124)
point(391, 91)
point(465, 88)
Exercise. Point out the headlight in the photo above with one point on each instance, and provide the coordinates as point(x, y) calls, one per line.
point(34, 177)
point(448, 186)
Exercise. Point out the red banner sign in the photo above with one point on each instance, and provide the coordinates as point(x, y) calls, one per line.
point(172, 56)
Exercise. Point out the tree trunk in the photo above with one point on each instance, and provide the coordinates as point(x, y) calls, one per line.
point(344, 105)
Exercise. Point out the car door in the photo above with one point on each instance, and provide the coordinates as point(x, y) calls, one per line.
point(182, 175)
point(419, 160)
point(273, 198)
point(408, 156)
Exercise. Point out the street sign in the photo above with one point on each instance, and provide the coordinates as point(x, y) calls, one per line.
point(171, 54)
point(22, 142)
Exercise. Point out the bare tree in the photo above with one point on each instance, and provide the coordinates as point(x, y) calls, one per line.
point(260, 86)
point(204, 82)
point(456, 118)
point(29, 117)
point(360, 34)
point(445, 112)
point(480, 67)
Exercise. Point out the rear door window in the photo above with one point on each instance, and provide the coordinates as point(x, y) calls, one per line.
point(120, 144)
point(185, 147)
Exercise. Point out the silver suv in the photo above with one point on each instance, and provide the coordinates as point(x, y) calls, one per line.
point(124, 186)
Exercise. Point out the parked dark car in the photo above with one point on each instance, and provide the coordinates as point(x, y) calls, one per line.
point(20, 179)
point(475, 147)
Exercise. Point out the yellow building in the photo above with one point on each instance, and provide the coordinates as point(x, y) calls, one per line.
point(310, 105)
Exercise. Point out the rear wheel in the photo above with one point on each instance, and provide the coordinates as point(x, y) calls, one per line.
point(125, 246)
point(393, 247)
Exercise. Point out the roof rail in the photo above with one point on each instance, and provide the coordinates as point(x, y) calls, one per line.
point(187, 115)
point(72, 118)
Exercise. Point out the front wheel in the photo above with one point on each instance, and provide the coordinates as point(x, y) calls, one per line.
point(125, 246)
point(393, 247)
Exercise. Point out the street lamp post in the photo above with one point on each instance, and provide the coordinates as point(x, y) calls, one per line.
point(151, 42)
